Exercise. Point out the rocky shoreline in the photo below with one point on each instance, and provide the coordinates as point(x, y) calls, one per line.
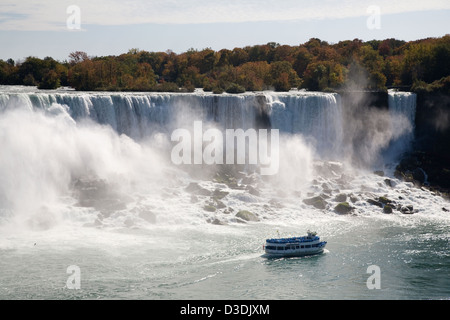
point(232, 196)
point(426, 170)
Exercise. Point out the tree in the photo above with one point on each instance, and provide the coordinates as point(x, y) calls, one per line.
point(392, 70)
point(253, 76)
point(323, 75)
point(32, 67)
point(315, 65)
point(357, 76)
point(77, 57)
point(50, 81)
point(235, 88)
point(282, 76)
point(282, 83)
point(373, 63)
point(8, 72)
point(239, 56)
point(302, 59)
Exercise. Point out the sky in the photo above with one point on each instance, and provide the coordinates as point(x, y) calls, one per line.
point(111, 27)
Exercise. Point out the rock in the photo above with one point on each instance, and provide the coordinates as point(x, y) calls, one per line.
point(219, 204)
point(445, 209)
point(384, 200)
point(379, 173)
point(99, 194)
point(219, 194)
point(326, 188)
point(276, 204)
point(217, 222)
point(342, 197)
point(398, 174)
point(249, 179)
point(317, 202)
point(353, 198)
point(337, 167)
point(209, 208)
point(387, 209)
point(375, 203)
point(247, 216)
point(228, 179)
point(228, 210)
point(389, 182)
point(196, 189)
point(328, 169)
point(408, 177)
point(419, 175)
point(343, 208)
point(407, 210)
point(253, 191)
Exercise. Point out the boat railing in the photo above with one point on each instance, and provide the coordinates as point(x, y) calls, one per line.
point(293, 240)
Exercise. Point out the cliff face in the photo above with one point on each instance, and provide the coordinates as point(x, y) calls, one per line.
point(429, 162)
point(432, 121)
point(433, 124)
point(353, 99)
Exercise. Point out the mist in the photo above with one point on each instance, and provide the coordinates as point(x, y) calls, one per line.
point(375, 132)
point(100, 163)
point(46, 153)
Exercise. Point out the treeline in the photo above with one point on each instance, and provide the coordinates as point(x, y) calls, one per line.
point(315, 65)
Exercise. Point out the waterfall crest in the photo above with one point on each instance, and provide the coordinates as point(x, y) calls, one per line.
point(317, 117)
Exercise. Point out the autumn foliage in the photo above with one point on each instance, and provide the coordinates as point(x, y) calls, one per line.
point(314, 65)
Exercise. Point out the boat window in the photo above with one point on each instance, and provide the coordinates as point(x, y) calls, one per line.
point(308, 246)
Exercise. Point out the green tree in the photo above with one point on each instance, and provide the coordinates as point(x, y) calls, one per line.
point(50, 81)
point(323, 75)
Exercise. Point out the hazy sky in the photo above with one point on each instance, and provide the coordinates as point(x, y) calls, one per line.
point(109, 27)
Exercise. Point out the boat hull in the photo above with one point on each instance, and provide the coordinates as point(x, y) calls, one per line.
point(291, 251)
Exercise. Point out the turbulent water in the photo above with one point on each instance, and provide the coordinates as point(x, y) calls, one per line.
point(86, 180)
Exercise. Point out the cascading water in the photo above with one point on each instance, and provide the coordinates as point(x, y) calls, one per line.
point(86, 179)
point(137, 115)
point(318, 117)
point(315, 116)
point(402, 108)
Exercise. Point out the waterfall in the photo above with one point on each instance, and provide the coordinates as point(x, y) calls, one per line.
point(138, 115)
point(51, 139)
point(402, 109)
point(316, 116)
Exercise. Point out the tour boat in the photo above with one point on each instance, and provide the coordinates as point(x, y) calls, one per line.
point(295, 247)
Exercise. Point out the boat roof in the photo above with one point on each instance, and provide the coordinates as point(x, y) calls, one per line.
point(293, 239)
